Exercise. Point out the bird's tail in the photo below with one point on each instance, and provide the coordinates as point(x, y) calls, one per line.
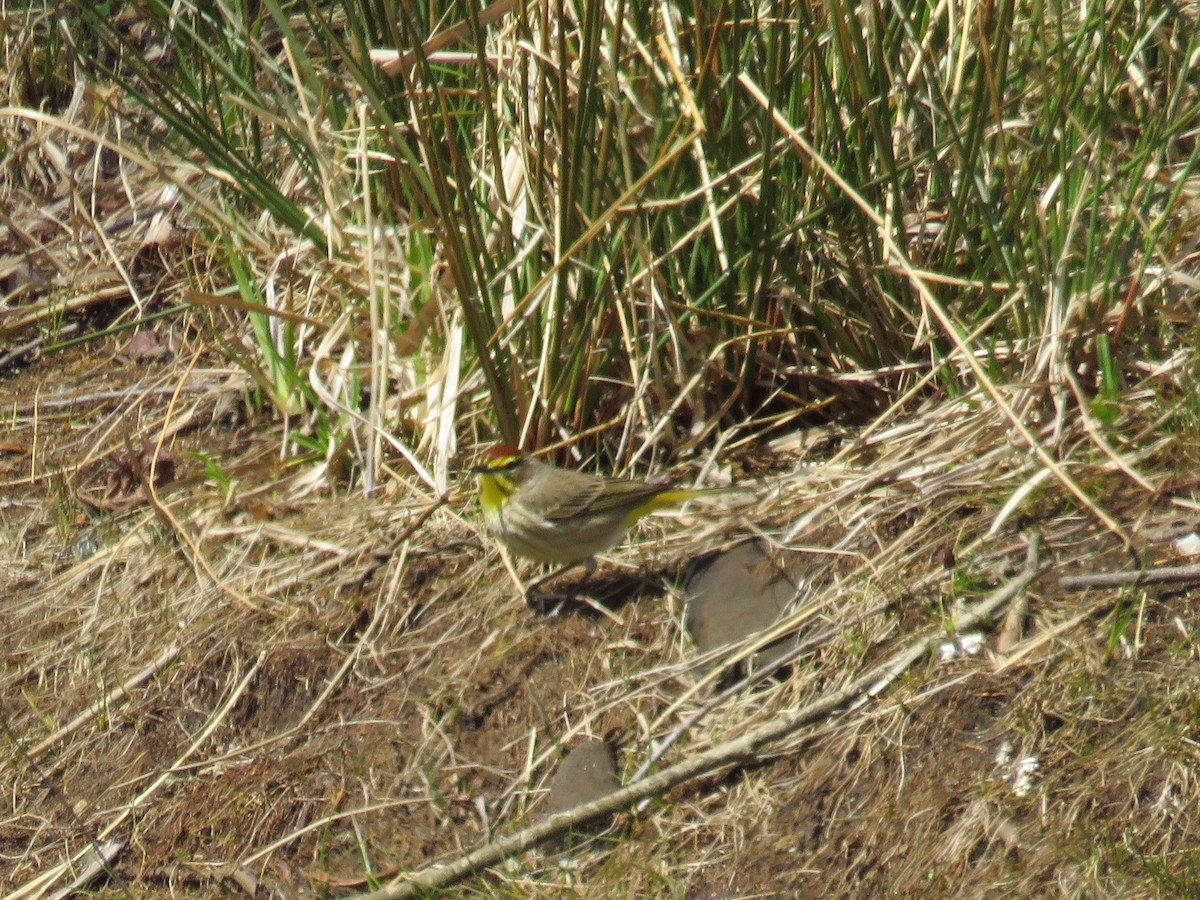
point(673, 497)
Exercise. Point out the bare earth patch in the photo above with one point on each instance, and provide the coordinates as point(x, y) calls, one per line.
point(245, 683)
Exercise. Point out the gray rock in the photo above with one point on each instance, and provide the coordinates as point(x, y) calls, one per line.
point(587, 773)
point(736, 595)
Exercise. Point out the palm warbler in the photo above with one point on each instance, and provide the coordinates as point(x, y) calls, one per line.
point(555, 515)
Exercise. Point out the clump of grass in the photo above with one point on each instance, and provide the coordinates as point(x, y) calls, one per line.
point(603, 232)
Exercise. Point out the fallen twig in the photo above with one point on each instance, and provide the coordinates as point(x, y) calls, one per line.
point(97, 862)
point(1132, 578)
point(742, 684)
point(386, 552)
point(746, 748)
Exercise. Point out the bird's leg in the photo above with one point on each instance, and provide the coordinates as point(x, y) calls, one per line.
point(540, 604)
point(549, 576)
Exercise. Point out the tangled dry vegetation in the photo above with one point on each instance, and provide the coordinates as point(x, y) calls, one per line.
point(244, 684)
point(225, 673)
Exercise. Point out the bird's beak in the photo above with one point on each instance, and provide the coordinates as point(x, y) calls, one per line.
point(479, 470)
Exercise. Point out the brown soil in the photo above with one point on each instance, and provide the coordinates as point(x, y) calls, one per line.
point(342, 708)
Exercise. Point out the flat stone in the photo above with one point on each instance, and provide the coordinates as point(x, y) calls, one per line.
point(737, 594)
point(587, 773)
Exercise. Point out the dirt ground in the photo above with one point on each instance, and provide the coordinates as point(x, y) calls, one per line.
point(256, 689)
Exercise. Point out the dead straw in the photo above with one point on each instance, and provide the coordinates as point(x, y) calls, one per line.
point(745, 749)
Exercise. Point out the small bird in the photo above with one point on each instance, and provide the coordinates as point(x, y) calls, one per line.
point(560, 516)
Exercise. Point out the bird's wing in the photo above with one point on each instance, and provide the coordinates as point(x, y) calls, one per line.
point(592, 494)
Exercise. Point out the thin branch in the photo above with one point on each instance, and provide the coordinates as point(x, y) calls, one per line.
point(1132, 578)
point(744, 749)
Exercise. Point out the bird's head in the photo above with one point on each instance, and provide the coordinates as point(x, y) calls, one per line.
point(503, 470)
